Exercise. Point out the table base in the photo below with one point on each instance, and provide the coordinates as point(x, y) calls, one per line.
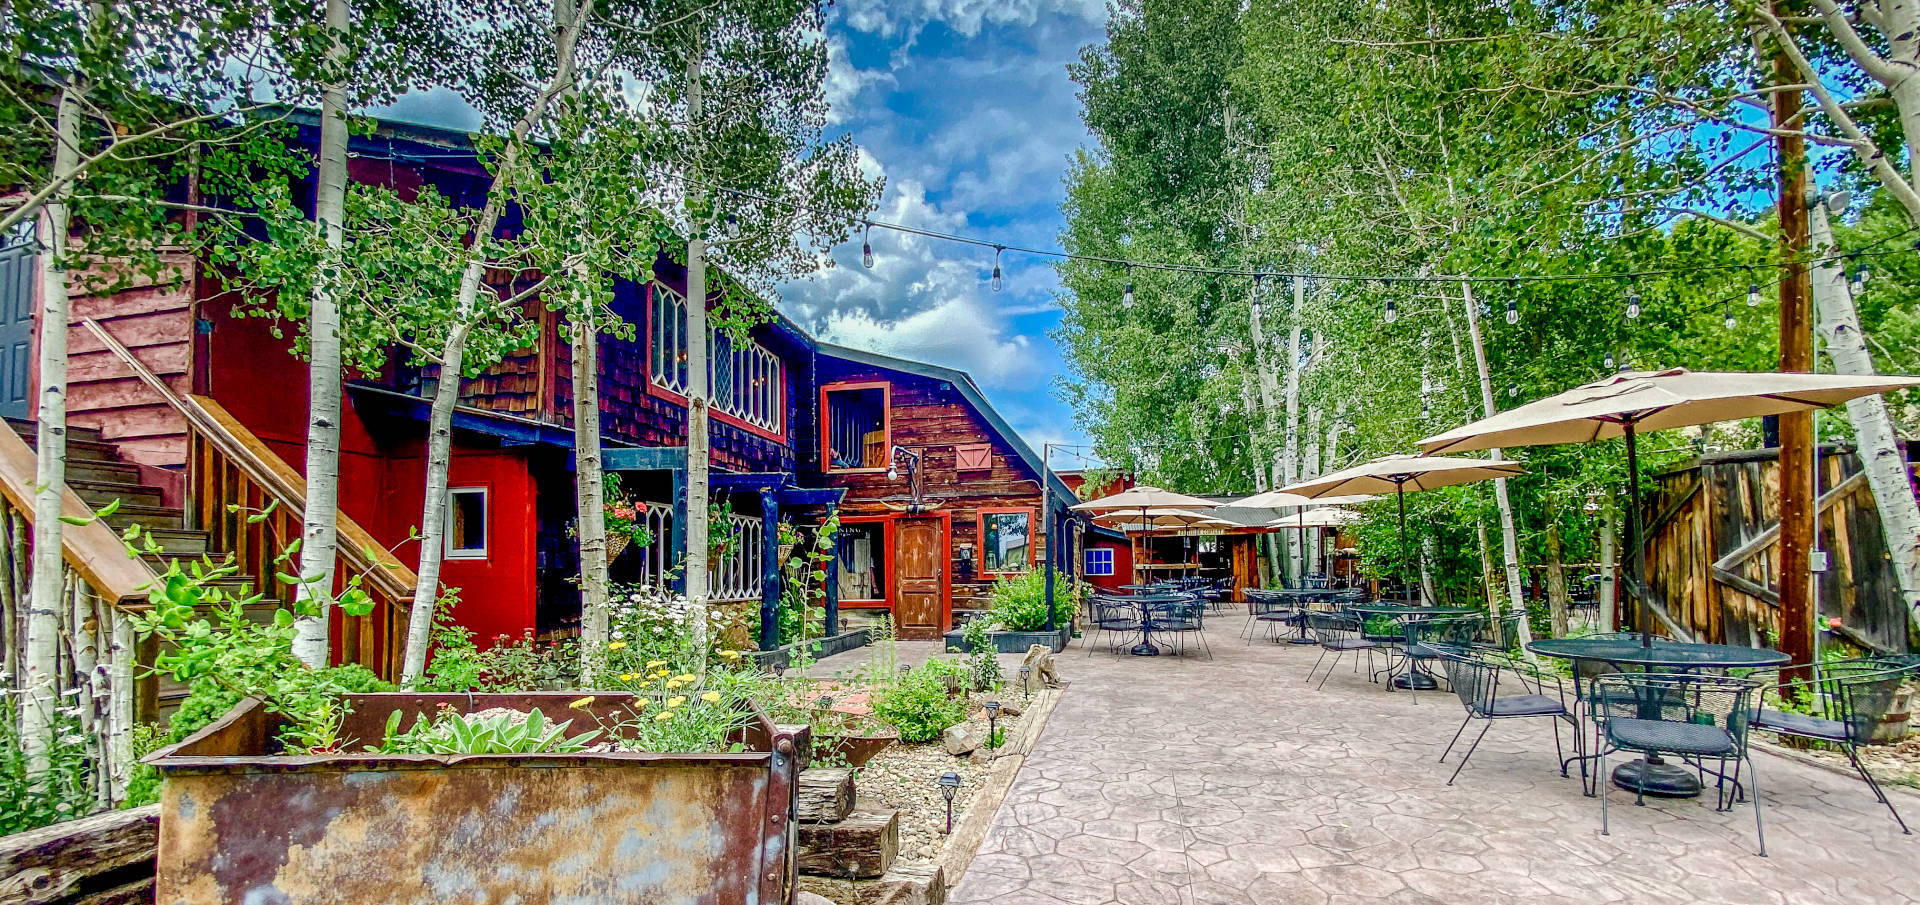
point(1301, 641)
point(1144, 650)
point(1656, 777)
point(1417, 680)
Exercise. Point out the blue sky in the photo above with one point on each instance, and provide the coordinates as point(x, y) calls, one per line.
point(966, 108)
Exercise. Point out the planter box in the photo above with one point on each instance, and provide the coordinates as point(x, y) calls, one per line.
point(241, 824)
point(1016, 642)
point(830, 645)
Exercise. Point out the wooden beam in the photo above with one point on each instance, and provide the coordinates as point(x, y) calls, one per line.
point(644, 458)
point(1738, 556)
point(92, 549)
point(76, 858)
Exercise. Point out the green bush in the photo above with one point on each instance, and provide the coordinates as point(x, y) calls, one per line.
point(918, 705)
point(983, 659)
point(1020, 602)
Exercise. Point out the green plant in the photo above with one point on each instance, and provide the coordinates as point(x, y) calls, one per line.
point(803, 579)
point(883, 662)
point(487, 732)
point(66, 789)
point(918, 705)
point(624, 517)
point(1019, 602)
point(983, 657)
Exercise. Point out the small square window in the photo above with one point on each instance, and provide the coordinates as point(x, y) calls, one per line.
point(855, 430)
point(973, 456)
point(1006, 541)
point(1099, 561)
point(466, 523)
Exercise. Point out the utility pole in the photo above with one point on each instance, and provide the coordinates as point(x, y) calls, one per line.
point(1047, 525)
point(1796, 355)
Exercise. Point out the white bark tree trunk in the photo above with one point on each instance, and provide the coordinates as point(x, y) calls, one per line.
point(1880, 450)
point(699, 395)
point(1290, 454)
point(1609, 572)
point(1309, 469)
point(48, 596)
point(1429, 554)
point(1269, 467)
point(591, 513)
point(318, 522)
point(1509, 541)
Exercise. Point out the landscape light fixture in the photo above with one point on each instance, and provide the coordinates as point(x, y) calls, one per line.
point(866, 246)
point(826, 702)
point(1026, 672)
point(997, 282)
point(949, 787)
point(993, 724)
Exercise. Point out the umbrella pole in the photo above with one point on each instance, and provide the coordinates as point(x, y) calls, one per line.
point(1400, 498)
point(1636, 556)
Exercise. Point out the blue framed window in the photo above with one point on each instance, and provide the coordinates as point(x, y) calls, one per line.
point(1099, 561)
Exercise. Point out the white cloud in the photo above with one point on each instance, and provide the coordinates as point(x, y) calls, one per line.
point(905, 18)
point(958, 333)
point(845, 82)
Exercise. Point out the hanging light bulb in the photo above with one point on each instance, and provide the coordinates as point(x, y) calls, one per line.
point(997, 282)
point(866, 246)
point(1726, 317)
point(1126, 295)
point(1513, 390)
point(1753, 295)
point(1860, 277)
point(1633, 304)
point(1607, 362)
point(1393, 313)
point(732, 227)
point(1513, 312)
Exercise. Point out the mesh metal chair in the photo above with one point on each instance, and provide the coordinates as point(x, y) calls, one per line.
point(1114, 616)
point(1426, 640)
point(1849, 699)
point(1265, 608)
point(1181, 619)
point(1493, 687)
point(1337, 634)
point(1696, 717)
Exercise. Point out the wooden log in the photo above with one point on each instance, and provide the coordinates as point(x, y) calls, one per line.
point(55, 863)
point(860, 846)
point(825, 794)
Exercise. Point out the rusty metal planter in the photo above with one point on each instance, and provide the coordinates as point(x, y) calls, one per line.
point(239, 824)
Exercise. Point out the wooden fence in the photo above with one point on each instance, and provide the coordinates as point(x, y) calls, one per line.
point(1712, 551)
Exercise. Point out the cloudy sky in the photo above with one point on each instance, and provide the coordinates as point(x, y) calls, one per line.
point(966, 108)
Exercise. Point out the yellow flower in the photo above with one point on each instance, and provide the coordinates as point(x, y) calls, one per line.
point(641, 703)
point(676, 701)
point(663, 716)
point(626, 677)
point(581, 702)
point(656, 664)
point(616, 645)
point(674, 683)
point(687, 679)
point(657, 675)
point(730, 654)
point(711, 697)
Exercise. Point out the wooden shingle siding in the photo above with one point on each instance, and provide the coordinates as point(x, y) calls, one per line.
point(151, 314)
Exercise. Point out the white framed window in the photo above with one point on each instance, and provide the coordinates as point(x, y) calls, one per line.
point(1099, 561)
point(466, 534)
point(743, 378)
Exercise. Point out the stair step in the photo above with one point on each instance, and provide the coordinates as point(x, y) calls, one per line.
point(100, 493)
point(153, 517)
point(102, 471)
point(181, 541)
point(30, 429)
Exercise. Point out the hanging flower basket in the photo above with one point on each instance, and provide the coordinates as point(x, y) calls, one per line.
point(616, 544)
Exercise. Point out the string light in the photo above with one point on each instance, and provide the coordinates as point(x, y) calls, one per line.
point(1607, 362)
point(1126, 296)
point(1753, 295)
point(1633, 304)
point(1393, 313)
point(1513, 312)
point(1726, 317)
point(996, 268)
point(732, 227)
point(1860, 277)
point(1513, 390)
point(866, 245)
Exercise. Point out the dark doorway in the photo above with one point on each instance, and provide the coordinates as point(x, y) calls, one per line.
point(19, 269)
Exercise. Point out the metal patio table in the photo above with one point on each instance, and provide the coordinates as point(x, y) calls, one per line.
point(1415, 677)
point(1304, 595)
point(1654, 775)
point(1146, 602)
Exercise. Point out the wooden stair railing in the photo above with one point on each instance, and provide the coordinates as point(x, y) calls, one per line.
point(226, 466)
point(93, 550)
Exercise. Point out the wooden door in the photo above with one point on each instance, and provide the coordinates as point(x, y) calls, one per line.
point(18, 272)
point(919, 578)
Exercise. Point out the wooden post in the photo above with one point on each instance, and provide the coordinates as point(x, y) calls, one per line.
point(1796, 354)
point(770, 571)
point(677, 536)
point(1047, 522)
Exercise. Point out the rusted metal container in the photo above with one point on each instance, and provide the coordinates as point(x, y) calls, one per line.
point(241, 825)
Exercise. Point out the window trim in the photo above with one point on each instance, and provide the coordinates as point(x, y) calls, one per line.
point(447, 550)
point(645, 336)
point(1087, 563)
point(980, 538)
point(826, 422)
point(885, 600)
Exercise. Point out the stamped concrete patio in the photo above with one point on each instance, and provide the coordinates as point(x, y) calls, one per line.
point(1165, 780)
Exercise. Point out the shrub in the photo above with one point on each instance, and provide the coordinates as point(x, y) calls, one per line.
point(1020, 602)
point(918, 705)
point(983, 659)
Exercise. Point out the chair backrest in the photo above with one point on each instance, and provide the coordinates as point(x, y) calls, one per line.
point(1112, 609)
point(1473, 674)
point(1678, 697)
point(1261, 602)
point(1449, 631)
point(1332, 628)
point(1860, 692)
point(1500, 633)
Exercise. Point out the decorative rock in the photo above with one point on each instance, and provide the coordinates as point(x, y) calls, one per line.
point(825, 794)
point(960, 740)
point(1011, 708)
point(1040, 669)
point(811, 898)
point(981, 756)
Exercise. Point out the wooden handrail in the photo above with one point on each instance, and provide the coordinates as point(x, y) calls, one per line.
point(92, 549)
point(384, 572)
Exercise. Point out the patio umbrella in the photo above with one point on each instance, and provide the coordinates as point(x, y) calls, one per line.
point(1142, 496)
point(1620, 405)
point(1280, 499)
point(1331, 517)
point(1397, 473)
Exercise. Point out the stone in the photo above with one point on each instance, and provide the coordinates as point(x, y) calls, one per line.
point(1040, 669)
point(1011, 708)
point(960, 740)
point(811, 898)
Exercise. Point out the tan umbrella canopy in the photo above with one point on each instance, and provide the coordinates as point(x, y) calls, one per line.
point(1626, 403)
point(1330, 517)
point(1395, 474)
point(1142, 496)
point(1165, 517)
point(1280, 499)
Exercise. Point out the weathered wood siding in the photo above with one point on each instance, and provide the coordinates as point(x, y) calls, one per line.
point(1704, 511)
point(152, 315)
point(931, 417)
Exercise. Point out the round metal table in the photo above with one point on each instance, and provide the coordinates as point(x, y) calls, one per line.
point(1300, 596)
point(1146, 603)
point(1414, 678)
point(1653, 775)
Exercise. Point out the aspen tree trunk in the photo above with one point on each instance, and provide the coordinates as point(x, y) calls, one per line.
point(1429, 557)
point(433, 511)
point(1290, 454)
point(318, 522)
point(1609, 573)
point(699, 393)
point(1556, 581)
point(1487, 586)
point(48, 596)
point(1310, 469)
point(1509, 542)
point(1881, 453)
point(1270, 408)
point(591, 512)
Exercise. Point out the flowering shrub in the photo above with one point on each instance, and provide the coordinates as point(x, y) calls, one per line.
point(624, 516)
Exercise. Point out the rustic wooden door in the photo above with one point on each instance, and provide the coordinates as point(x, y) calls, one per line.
point(919, 578)
point(18, 272)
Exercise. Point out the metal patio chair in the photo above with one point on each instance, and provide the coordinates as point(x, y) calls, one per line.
point(1698, 718)
point(1180, 619)
point(1266, 609)
point(1113, 616)
point(1492, 687)
point(1337, 634)
point(1850, 697)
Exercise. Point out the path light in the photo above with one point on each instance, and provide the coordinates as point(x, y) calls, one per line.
point(780, 670)
point(949, 787)
point(993, 724)
point(1026, 672)
point(826, 702)
point(904, 669)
